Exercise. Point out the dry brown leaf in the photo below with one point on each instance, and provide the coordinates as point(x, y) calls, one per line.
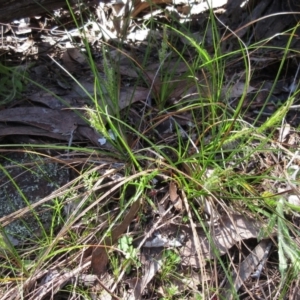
point(73, 59)
point(140, 6)
point(55, 121)
point(184, 88)
point(129, 72)
point(229, 230)
point(34, 131)
point(245, 269)
point(174, 197)
point(195, 238)
point(130, 95)
point(76, 55)
point(150, 269)
point(57, 130)
point(51, 101)
point(90, 134)
point(68, 63)
point(99, 255)
point(238, 89)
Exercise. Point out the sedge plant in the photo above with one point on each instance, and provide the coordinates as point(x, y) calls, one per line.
point(208, 158)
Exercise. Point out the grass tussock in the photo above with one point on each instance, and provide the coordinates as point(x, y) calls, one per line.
point(192, 191)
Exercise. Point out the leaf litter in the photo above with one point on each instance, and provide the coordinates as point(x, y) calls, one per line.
point(48, 117)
